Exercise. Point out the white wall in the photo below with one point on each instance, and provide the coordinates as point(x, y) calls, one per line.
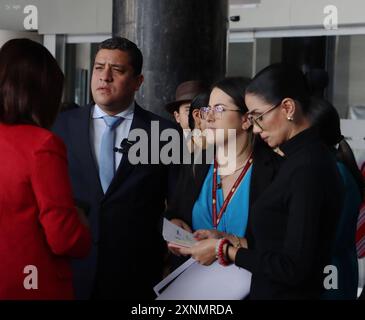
point(75, 16)
point(60, 16)
point(289, 14)
point(13, 15)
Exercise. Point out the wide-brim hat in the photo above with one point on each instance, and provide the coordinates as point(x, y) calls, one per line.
point(185, 92)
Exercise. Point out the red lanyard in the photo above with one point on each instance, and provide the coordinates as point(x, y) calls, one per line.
point(216, 218)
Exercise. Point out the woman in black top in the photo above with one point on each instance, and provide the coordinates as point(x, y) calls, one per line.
point(294, 220)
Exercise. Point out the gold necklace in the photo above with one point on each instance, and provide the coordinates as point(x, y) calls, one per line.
point(228, 175)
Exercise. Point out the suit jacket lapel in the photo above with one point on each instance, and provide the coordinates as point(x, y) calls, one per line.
point(80, 135)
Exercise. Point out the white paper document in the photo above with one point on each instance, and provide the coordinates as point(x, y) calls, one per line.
point(176, 235)
point(173, 275)
point(193, 281)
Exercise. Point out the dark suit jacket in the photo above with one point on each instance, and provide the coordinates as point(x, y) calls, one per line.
point(266, 164)
point(127, 255)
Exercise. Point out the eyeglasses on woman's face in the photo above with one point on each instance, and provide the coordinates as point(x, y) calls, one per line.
point(217, 111)
point(257, 120)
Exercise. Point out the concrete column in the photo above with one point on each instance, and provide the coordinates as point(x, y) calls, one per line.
point(180, 40)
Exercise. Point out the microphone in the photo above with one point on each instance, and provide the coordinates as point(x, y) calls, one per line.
point(124, 146)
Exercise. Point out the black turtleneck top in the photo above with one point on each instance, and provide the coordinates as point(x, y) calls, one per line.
point(293, 223)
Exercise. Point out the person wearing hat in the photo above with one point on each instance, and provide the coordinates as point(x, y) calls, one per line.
point(185, 93)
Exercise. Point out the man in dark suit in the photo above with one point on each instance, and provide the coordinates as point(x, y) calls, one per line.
point(124, 201)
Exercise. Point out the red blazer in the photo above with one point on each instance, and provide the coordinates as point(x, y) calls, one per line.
point(39, 225)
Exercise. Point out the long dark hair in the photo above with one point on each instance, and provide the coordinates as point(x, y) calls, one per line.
point(31, 84)
point(279, 81)
point(201, 100)
point(324, 116)
point(235, 87)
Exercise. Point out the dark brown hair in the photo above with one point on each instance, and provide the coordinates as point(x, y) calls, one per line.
point(235, 87)
point(279, 81)
point(31, 84)
point(123, 44)
point(324, 116)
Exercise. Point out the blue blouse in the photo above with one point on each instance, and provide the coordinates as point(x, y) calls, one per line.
point(234, 219)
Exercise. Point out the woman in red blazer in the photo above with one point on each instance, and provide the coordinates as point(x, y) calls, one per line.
point(40, 227)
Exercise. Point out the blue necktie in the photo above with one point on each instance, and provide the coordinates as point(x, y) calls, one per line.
point(107, 162)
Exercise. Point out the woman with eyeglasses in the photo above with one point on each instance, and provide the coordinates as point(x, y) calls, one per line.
point(293, 221)
point(217, 197)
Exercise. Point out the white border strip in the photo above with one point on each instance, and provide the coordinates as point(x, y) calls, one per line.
point(92, 38)
point(248, 36)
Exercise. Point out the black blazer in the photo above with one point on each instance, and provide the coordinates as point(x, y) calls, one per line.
point(128, 248)
point(265, 165)
point(294, 222)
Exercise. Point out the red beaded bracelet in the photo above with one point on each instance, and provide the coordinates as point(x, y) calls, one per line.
point(220, 254)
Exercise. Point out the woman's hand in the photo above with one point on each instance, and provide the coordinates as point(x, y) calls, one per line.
point(180, 223)
point(208, 234)
point(215, 234)
point(202, 251)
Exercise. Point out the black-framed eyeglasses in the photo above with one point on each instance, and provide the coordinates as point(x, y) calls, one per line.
point(256, 120)
point(217, 110)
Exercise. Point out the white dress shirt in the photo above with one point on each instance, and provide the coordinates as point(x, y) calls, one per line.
point(97, 127)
